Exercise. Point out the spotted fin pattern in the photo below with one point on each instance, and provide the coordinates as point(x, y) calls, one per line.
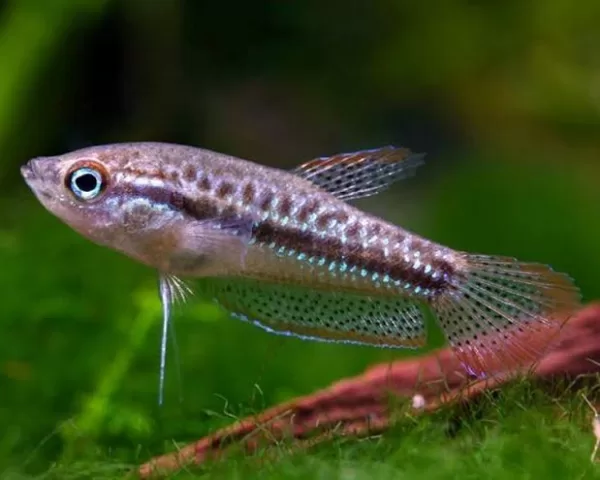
point(349, 176)
point(503, 314)
point(322, 315)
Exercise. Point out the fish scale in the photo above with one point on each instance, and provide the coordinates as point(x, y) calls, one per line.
point(304, 227)
point(288, 252)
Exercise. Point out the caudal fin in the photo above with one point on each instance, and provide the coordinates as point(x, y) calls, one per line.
point(501, 314)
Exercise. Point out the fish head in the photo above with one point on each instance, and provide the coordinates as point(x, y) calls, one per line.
point(107, 194)
point(74, 188)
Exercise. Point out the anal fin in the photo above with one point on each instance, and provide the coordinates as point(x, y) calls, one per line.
point(394, 322)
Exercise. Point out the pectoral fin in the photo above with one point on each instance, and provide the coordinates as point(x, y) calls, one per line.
point(222, 240)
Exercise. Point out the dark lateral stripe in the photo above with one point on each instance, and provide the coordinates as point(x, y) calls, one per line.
point(307, 242)
point(331, 248)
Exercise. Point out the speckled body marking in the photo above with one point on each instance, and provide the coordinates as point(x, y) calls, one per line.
point(300, 233)
point(286, 251)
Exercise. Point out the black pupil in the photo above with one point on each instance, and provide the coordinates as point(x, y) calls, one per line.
point(86, 182)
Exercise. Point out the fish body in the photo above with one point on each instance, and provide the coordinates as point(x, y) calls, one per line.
point(286, 250)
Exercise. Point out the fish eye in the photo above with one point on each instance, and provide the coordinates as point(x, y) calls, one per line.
point(86, 183)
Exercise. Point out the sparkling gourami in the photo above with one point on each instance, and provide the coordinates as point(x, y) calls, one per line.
point(287, 251)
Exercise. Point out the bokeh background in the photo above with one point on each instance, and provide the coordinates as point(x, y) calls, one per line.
point(503, 96)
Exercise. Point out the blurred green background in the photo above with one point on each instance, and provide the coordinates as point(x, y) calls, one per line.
point(504, 97)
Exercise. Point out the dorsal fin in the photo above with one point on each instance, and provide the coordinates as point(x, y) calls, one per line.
point(360, 174)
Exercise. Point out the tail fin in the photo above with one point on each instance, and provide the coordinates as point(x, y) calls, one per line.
point(501, 314)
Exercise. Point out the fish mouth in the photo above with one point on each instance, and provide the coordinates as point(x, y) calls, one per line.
point(28, 172)
point(31, 174)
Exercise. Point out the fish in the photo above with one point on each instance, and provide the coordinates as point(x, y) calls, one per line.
point(288, 251)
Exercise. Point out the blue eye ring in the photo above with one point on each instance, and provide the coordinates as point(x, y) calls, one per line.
point(87, 182)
